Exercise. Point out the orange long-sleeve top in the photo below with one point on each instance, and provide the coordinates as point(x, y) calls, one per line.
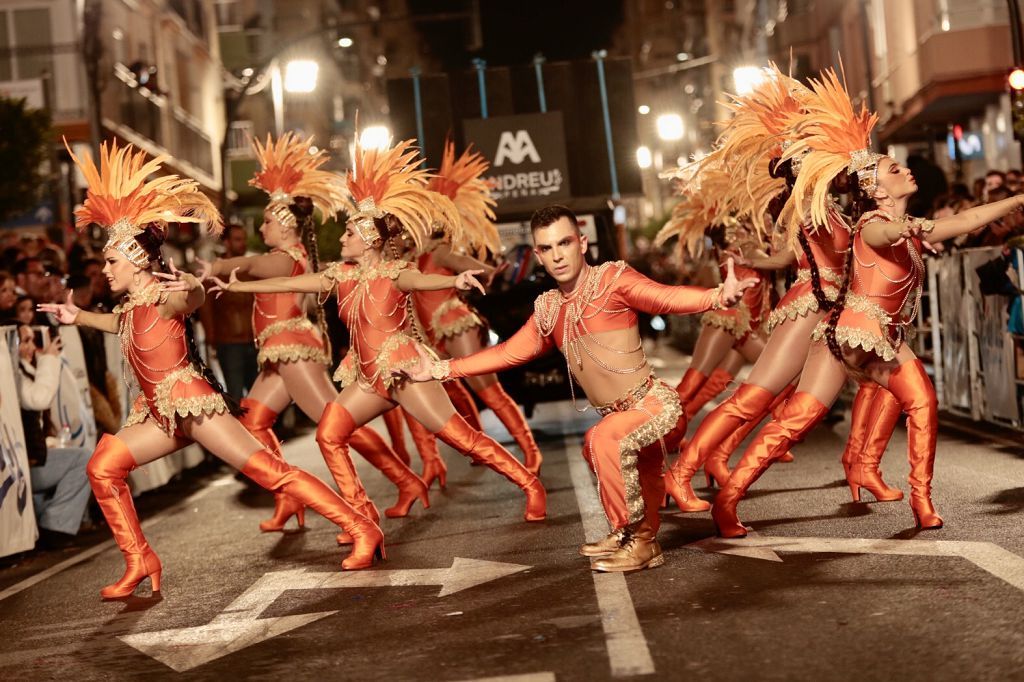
point(595, 327)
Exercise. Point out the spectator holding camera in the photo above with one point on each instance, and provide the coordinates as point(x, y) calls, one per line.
point(60, 487)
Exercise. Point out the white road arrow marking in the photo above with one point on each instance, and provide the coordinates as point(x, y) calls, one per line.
point(988, 556)
point(239, 625)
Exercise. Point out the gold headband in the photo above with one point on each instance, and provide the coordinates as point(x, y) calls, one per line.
point(283, 214)
point(865, 160)
point(363, 219)
point(123, 238)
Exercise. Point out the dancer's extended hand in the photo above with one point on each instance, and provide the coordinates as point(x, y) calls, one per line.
point(421, 370)
point(205, 270)
point(220, 286)
point(732, 288)
point(66, 312)
point(176, 280)
point(467, 279)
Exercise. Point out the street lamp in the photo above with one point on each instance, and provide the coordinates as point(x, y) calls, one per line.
point(643, 157)
point(300, 76)
point(746, 78)
point(375, 137)
point(670, 127)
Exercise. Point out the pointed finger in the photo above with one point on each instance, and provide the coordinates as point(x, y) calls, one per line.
point(730, 272)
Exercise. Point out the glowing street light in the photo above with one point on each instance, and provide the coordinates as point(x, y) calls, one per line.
point(375, 137)
point(643, 109)
point(746, 78)
point(344, 42)
point(670, 127)
point(1016, 79)
point(643, 157)
point(300, 76)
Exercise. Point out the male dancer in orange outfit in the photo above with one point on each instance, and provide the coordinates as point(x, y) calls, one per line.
point(591, 318)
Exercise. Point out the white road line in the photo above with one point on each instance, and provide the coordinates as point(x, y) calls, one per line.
point(103, 546)
point(627, 646)
point(528, 677)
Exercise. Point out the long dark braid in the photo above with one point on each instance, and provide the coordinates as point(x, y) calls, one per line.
point(151, 240)
point(302, 209)
point(860, 203)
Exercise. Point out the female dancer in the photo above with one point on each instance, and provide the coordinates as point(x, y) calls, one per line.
point(452, 327)
point(180, 401)
point(388, 198)
point(867, 327)
point(764, 123)
point(292, 356)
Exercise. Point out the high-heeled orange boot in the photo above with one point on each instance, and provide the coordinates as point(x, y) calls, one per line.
point(862, 470)
point(717, 382)
point(374, 450)
point(393, 423)
point(277, 475)
point(434, 467)
point(689, 385)
point(108, 470)
point(463, 401)
point(912, 387)
point(748, 402)
point(501, 403)
point(860, 419)
point(259, 421)
point(481, 447)
point(333, 435)
point(803, 411)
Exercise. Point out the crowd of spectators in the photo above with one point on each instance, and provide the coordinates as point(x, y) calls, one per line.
point(994, 186)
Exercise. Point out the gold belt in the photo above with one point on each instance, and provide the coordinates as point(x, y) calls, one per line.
point(629, 400)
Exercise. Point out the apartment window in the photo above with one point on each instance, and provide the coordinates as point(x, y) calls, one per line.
point(25, 41)
point(229, 13)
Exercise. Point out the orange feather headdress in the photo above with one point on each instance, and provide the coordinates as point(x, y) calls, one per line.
point(387, 181)
point(833, 138)
point(289, 169)
point(124, 202)
point(461, 180)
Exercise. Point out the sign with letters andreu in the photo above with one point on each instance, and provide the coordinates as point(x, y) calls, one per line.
point(527, 156)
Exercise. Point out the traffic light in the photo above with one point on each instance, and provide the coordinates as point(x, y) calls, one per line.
point(1016, 83)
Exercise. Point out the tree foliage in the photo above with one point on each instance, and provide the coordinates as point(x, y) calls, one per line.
point(24, 147)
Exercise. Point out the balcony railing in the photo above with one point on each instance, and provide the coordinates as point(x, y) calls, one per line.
point(240, 140)
point(191, 144)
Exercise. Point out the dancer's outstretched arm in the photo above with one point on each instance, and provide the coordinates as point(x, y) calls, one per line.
point(183, 292)
point(310, 283)
point(69, 313)
point(458, 262)
point(263, 266)
point(883, 233)
point(649, 296)
point(777, 261)
point(414, 280)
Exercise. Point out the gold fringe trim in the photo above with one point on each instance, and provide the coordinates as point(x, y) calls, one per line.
point(291, 352)
point(650, 432)
point(351, 369)
point(290, 325)
point(148, 296)
point(345, 272)
point(738, 325)
point(466, 322)
point(802, 306)
point(854, 337)
point(139, 412)
point(171, 408)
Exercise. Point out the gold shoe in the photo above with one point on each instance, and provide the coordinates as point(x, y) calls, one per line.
point(603, 547)
point(637, 552)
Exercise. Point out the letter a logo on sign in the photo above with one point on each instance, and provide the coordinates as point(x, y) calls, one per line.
point(515, 147)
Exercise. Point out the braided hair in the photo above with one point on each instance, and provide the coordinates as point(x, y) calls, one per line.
point(302, 209)
point(151, 240)
point(860, 203)
point(785, 170)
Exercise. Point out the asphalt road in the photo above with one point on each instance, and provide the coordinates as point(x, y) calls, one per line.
point(824, 589)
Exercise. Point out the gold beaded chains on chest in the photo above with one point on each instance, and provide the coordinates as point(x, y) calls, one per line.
point(575, 332)
point(361, 300)
point(131, 352)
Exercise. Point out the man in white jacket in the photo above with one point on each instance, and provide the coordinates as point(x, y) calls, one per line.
point(60, 487)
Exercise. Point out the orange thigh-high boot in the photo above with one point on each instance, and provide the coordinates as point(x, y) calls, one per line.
point(717, 382)
point(374, 450)
point(277, 475)
point(482, 448)
point(501, 403)
point(393, 423)
point(716, 466)
point(748, 404)
point(912, 387)
point(333, 434)
point(802, 412)
point(463, 401)
point(689, 385)
point(108, 471)
point(259, 421)
point(433, 464)
point(872, 421)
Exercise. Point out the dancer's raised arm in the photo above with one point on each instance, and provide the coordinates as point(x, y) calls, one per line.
point(69, 313)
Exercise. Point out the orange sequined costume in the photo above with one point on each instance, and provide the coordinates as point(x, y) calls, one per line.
point(747, 316)
point(283, 332)
point(442, 313)
point(630, 482)
point(885, 293)
point(376, 312)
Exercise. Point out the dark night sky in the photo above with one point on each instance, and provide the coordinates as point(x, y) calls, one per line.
point(515, 30)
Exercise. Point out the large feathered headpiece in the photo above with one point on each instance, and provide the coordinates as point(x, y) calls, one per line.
point(288, 169)
point(702, 187)
point(124, 202)
point(461, 180)
point(832, 138)
point(387, 181)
